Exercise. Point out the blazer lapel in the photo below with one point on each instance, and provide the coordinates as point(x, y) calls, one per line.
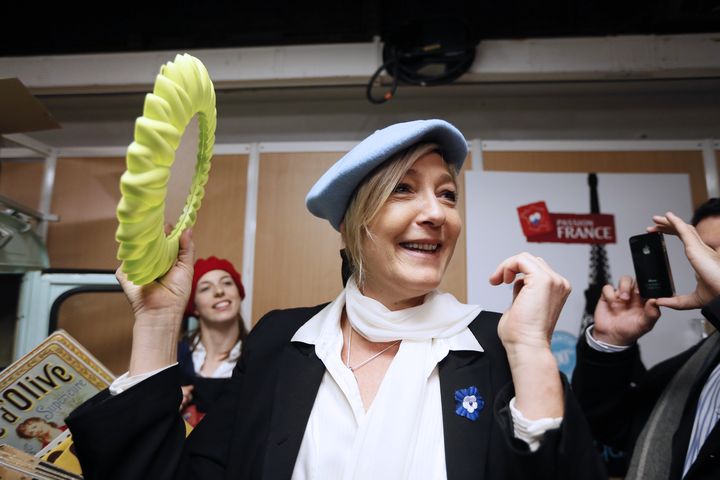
point(301, 372)
point(466, 441)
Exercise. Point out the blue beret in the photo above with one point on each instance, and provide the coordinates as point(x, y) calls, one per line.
point(331, 194)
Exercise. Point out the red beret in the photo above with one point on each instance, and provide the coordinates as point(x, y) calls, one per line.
point(204, 265)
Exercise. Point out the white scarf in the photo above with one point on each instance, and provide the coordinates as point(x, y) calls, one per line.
point(439, 316)
point(404, 422)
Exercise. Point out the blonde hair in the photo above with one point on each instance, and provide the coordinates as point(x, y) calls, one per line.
point(369, 198)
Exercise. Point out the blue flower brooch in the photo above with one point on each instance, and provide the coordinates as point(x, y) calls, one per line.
point(468, 403)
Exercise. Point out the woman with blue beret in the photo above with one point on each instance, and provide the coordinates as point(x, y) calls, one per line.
point(393, 379)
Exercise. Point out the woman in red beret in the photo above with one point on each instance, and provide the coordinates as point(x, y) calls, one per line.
point(207, 355)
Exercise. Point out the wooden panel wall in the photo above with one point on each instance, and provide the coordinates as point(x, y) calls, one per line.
point(690, 162)
point(220, 225)
point(297, 260)
point(22, 181)
point(86, 194)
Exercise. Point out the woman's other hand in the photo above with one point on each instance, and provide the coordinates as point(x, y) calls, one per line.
point(622, 315)
point(538, 298)
point(525, 330)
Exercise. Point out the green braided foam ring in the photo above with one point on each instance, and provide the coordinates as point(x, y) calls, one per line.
point(182, 89)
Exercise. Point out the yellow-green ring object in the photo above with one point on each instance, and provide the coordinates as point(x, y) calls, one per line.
point(182, 89)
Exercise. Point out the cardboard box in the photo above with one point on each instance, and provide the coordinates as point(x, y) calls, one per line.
point(20, 111)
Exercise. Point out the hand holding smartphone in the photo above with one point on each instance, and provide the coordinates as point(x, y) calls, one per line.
point(652, 268)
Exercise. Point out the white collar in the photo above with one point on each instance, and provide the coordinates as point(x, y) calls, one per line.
point(232, 356)
point(320, 331)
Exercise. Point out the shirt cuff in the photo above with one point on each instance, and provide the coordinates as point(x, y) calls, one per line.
point(531, 431)
point(602, 346)
point(123, 382)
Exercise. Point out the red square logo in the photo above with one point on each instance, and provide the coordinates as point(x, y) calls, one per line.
point(535, 219)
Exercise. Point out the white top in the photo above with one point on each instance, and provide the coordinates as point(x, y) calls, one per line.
point(224, 370)
point(340, 433)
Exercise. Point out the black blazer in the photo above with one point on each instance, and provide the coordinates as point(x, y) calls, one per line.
point(618, 395)
point(207, 390)
point(255, 431)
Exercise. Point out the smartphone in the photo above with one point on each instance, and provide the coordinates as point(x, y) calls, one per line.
point(652, 269)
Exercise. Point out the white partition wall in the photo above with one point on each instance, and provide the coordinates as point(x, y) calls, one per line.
point(494, 233)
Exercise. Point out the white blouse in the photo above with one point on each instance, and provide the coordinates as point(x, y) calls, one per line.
point(338, 426)
point(224, 370)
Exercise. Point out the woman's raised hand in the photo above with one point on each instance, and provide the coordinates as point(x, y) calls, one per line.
point(703, 259)
point(538, 297)
point(168, 293)
point(525, 330)
point(158, 308)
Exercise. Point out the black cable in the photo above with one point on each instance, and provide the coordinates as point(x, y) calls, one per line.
point(404, 66)
point(393, 88)
point(456, 63)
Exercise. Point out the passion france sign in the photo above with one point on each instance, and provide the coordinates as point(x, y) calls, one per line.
point(541, 226)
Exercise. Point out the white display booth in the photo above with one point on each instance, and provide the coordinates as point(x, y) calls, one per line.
point(494, 233)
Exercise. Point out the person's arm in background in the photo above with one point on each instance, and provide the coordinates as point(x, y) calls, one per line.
point(609, 378)
point(622, 316)
point(614, 390)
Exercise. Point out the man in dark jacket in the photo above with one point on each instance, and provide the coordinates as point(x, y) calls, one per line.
point(666, 416)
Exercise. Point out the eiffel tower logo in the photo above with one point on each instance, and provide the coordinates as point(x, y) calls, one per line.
point(599, 273)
